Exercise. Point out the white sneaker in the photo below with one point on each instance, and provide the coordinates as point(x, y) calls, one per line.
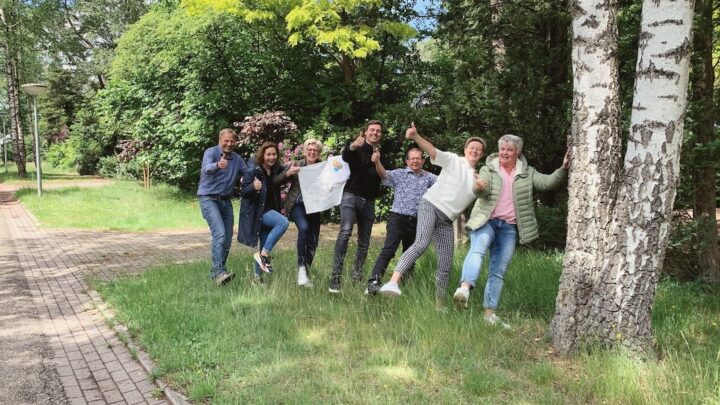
point(461, 297)
point(390, 289)
point(495, 320)
point(303, 279)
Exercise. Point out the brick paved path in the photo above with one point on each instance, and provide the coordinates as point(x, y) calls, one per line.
point(92, 364)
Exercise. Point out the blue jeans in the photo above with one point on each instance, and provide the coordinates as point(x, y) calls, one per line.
point(353, 209)
point(219, 216)
point(272, 227)
point(308, 226)
point(501, 238)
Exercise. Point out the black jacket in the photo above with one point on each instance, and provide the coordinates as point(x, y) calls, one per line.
point(364, 180)
point(252, 205)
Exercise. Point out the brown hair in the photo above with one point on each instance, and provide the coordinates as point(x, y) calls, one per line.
point(260, 154)
point(373, 122)
point(475, 139)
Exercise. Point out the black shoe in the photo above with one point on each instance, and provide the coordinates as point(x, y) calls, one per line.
point(334, 285)
point(373, 287)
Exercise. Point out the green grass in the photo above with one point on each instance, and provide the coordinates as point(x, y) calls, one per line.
point(283, 344)
point(120, 206)
point(49, 174)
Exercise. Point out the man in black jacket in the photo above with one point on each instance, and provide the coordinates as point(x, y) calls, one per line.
point(358, 201)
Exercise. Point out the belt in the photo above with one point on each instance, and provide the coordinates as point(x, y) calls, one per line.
point(411, 217)
point(219, 197)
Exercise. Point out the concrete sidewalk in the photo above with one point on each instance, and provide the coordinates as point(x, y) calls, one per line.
point(56, 346)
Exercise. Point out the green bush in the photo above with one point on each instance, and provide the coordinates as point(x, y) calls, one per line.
point(110, 166)
point(552, 227)
point(682, 256)
point(62, 154)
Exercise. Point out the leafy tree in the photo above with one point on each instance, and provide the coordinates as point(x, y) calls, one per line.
point(18, 35)
point(505, 69)
point(350, 30)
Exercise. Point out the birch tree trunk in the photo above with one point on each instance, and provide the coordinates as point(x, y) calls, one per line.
point(596, 151)
point(13, 85)
point(610, 301)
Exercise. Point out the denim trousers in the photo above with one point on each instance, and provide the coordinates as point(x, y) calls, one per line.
point(219, 216)
point(272, 227)
point(308, 226)
point(400, 229)
point(353, 209)
point(501, 238)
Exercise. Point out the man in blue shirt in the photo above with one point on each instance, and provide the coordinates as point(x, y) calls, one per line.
point(221, 168)
point(410, 184)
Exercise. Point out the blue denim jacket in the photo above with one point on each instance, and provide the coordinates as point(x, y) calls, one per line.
point(215, 181)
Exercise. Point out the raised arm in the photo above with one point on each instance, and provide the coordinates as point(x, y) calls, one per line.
point(378, 164)
point(209, 166)
point(427, 147)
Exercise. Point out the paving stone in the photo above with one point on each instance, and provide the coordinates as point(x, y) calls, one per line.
point(113, 396)
point(134, 397)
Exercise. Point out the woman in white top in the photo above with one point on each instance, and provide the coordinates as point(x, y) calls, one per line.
point(454, 190)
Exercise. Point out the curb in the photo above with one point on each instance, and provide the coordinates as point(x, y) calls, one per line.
point(143, 357)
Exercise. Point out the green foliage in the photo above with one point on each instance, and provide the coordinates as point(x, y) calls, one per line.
point(349, 27)
point(88, 141)
point(684, 247)
point(111, 167)
point(62, 154)
point(503, 71)
point(179, 77)
point(552, 226)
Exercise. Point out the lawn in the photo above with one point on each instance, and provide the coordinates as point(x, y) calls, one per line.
point(280, 343)
point(49, 174)
point(122, 205)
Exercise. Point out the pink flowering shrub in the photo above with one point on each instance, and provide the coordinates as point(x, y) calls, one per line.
point(273, 126)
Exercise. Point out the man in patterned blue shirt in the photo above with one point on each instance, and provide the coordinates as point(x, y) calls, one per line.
point(409, 184)
point(220, 170)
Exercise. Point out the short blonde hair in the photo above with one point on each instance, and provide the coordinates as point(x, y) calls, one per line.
point(313, 141)
point(228, 131)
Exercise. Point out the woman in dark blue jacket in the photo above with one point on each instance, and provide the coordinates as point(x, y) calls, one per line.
point(260, 217)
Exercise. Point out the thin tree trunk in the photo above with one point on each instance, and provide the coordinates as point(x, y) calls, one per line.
point(610, 300)
point(498, 43)
point(596, 151)
point(11, 74)
point(703, 128)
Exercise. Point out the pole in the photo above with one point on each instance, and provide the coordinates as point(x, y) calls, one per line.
point(37, 149)
point(4, 145)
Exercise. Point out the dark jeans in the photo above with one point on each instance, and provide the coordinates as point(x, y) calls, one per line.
point(353, 209)
point(400, 228)
point(308, 226)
